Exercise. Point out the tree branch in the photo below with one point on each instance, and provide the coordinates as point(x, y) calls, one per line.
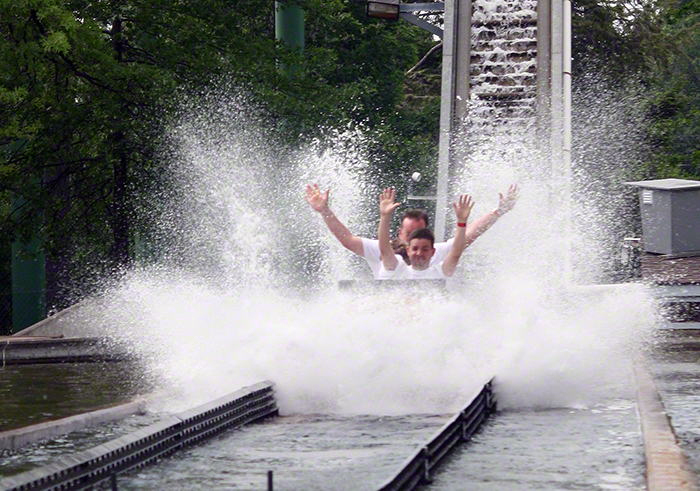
point(425, 58)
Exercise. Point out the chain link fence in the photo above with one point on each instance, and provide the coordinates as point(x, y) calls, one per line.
point(28, 312)
point(5, 310)
point(28, 308)
point(5, 288)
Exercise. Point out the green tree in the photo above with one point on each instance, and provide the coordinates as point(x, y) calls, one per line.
point(601, 38)
point(655, 45)
point(86, 89)
point(674, 110)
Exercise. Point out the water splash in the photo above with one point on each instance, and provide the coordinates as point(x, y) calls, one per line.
point(246, 290)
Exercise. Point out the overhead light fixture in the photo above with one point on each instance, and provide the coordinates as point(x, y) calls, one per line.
point(383, 9)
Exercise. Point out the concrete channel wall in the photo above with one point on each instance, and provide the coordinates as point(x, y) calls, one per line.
point(72, 335)
point(75, 321)
point(666, 465)
point(34, 349)
point(13, 439)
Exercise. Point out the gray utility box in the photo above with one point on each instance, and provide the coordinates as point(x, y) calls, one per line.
point(670, 215)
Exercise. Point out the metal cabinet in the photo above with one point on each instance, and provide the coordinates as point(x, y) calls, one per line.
point(670, 215)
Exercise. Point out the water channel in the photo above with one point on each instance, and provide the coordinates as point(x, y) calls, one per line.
point(596, 446)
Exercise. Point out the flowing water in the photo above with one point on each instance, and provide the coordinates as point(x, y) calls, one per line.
point(46, 452)
point(309, 452)
point(586, 448)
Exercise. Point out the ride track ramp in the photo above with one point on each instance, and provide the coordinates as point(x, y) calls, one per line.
point(103, 463)
point(420, 467)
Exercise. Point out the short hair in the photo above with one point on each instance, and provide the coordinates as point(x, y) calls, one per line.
point(415, 214)
point(422, 233)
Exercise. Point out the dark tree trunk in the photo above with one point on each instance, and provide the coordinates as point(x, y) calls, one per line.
point(120, 219)
point(58, 277)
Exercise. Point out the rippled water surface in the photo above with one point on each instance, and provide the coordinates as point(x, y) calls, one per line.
point(597, 448)
point(593, 448)
point(46, 452)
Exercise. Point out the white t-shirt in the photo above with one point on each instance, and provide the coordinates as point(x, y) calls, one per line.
point(405, 272)
point(372, 255)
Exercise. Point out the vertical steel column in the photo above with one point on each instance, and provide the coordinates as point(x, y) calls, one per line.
point(556, 87)
point(289, 27)
point(463, 59)
point(566, 89)
point(455, 81)
point(447, 96)
point(566, 136)
point(561, 175)
point(459, 149)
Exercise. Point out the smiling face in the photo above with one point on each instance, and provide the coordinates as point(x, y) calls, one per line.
point(420, 252)
point(409, 225)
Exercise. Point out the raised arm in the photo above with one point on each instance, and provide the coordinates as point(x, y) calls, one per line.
point(386, 208)
point(319, 202)
point(483, 223)
point(462, 210)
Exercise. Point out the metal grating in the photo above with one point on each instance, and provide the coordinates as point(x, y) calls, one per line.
point(419, 468)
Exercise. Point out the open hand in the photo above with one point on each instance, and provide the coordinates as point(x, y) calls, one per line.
point(386, 202)
point(463, 208)
point(506, 204)
point(317, 199)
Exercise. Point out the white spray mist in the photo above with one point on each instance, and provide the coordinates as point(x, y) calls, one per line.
point(246, 290)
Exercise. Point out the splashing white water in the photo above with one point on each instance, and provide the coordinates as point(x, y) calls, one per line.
point(246, 291)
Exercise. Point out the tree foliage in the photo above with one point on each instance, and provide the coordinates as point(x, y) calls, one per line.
point(87, 87)
point(655, 43)
point(674, 110)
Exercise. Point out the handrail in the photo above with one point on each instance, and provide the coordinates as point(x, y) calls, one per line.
point(88, 468)
point(418, 469)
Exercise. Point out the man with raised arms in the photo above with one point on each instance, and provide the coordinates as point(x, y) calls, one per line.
point(410, 221)
point(369, 248)
point(420, 244)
